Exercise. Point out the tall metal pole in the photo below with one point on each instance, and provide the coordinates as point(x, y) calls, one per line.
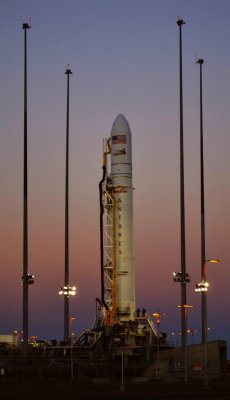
point(203, 256)
point(180, 22)
point(25, 26)
point(204, 323)
point(66, 298)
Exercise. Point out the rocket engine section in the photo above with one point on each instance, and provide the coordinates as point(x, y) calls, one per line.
point(118, 279)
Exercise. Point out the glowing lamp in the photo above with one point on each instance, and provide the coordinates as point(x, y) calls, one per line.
point(68, 291)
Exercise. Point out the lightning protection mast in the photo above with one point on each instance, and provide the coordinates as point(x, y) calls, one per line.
point(67, 290)
point(66, 298)
point(27, 279)
point(184, 277)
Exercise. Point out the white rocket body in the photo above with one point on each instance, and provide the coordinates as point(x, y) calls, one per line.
point(121, 176)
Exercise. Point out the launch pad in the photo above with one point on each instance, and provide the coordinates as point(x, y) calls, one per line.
point(135, 338)
point(123, 342)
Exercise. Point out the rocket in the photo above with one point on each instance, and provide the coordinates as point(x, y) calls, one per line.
point(121, 175)
point(118, 279)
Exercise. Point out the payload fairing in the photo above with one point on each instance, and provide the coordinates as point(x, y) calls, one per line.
point(116, 201)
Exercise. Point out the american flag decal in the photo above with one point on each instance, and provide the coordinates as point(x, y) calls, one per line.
point(119, 139)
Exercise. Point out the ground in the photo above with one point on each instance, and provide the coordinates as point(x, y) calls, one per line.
point(71, 389)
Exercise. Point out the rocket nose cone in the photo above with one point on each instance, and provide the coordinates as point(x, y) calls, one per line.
point(120, 125)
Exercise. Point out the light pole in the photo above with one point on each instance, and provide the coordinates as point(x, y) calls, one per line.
point(203, 257)
point(183, 281)
point(68, 72)
point(27, 279)
point(192, 332)
point(176, 334)
point(67, 290)
point(158, 317)
point(202, 288)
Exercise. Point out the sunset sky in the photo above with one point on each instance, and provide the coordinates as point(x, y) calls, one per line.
point(124, 55)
